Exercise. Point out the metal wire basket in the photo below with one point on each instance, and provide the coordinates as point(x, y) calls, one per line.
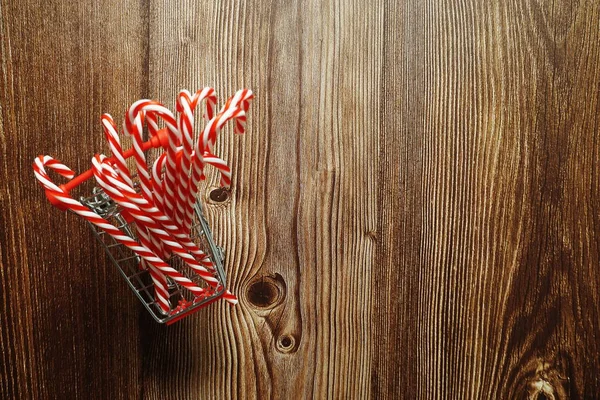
point(182, 301)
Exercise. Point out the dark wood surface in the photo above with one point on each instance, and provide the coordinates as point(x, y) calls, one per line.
point(414, 210)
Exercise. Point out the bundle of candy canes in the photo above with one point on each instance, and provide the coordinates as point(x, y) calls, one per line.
point(162, 204)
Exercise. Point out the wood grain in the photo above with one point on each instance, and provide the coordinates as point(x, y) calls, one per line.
point(492, 243)
point(413, 214)
point(69, 326)
point(300, 217)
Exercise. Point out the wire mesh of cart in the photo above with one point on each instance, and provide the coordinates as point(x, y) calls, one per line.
point(182, 301)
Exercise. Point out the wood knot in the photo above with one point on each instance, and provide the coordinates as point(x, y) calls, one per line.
point(219, 195)
point(286, 344)
point(546, 382)
point(540, 389)
point(266, 292)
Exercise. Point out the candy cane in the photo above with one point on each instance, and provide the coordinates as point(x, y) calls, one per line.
point(242, 99)
point(110, 131)
point(157, 168)
point(174, 139)
point(221, 165)
point(69, 203)
point(150, 217)
point(152, 122)
point(134, 130)
point(112, 136)
point(135, 133)
point(58, 194)
point(116, 187)
point(204, 143)
point(235, 108)
point(175, 246)
point(208, 137)
point(161, 290)
point(160, 281)
point(186, 103)
point(113, 139)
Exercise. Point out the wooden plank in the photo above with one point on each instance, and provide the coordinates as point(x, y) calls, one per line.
point(413, 210)
point(298, 229)
point(489, 255)
point(68, 324)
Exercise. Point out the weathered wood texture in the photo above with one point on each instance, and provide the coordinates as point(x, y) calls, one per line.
point(414, 212)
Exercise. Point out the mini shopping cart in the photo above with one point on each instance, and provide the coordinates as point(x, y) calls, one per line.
point(183, 302)
point(153, 228)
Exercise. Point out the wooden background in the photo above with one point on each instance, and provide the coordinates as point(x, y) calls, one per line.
point(414, 213)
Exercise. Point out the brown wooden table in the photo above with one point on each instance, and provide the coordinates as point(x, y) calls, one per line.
point(415, 210)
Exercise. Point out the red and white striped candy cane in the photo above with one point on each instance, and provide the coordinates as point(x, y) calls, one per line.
point(75, 206)
point(235, 108)
point(242, 99)
point(52, 190)
point(112, 136)
point(208, 137)
point(157, 189)
point(112, 184)
point(221, 165)
point(160, 282)
point(157, 178)
point(205, 144)
point(149, 106)
point(143, 220)
point(186, 104)
point(161, 289)
point(153, 219)
point(134, 130)
point(152, 122)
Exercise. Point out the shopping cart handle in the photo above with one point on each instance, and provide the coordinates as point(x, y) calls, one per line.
point(160, 140)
